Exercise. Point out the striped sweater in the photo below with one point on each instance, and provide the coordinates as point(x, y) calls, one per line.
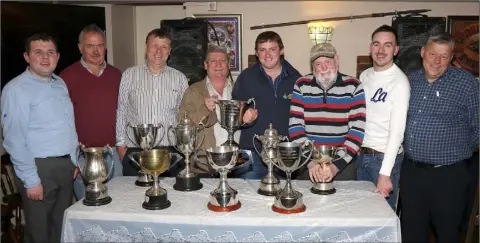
point(329, 117)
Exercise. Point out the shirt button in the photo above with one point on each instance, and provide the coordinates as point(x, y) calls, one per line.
point(424, 97)
point(414, 122)
point(419, 111)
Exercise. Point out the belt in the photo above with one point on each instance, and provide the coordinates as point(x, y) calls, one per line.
point(366, 150)
point(424, 165)
point(60, 157)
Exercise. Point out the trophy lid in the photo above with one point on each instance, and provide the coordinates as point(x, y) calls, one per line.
point(185, 121)
point(270, 131)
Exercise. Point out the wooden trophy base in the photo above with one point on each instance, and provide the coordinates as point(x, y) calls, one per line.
point(224, 209)
point(286, 211)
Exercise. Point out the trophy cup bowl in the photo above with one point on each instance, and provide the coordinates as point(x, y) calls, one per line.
point(154, 162)
point(231, 117)
point(186, 134)
point(145, 138)
point(323, 155)
point(289, 156)
point(223, 159)
point(270, 184)
point(94, 174)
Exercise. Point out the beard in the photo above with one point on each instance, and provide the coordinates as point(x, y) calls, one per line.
point(326, 81)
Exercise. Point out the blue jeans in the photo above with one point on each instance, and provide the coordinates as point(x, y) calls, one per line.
point(368, 169)
point(79, 185)
point(256, 170)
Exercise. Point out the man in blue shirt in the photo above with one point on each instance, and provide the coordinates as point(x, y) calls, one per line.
point(441, 133)
point(39, 134)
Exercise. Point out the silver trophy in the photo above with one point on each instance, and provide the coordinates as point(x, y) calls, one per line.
point(289, 155)
point(186, 138)
point(94, 174)
point(324, 155)
point(155, 162)
point(231, 117)
point(145, 138)
point(223, 160)
point(270, 184)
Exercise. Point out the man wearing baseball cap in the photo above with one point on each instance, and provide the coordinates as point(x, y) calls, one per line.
point(328, 107)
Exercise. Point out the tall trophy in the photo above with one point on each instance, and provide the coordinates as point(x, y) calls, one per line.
point(186, 138)
point(270, 184)
point(289, 154)
point(223, 159)
point(94, 174)
point(231, 117)
point(154, 162)
point(324, 155)
point(145, 138)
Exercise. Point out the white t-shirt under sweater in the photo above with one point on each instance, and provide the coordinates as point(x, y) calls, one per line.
point(387, 94)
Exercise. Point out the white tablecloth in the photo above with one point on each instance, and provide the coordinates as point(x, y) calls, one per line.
point(353, 214)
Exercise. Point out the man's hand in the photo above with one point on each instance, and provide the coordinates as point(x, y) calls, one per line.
point(250, 115)
point(328, 172)
point(384, 185)
point(35, 193)
point(121, 152)
point(210, 102)
point(75, 173)
point(315, 171)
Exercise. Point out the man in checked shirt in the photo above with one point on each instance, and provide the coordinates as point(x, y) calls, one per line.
point(441, 133)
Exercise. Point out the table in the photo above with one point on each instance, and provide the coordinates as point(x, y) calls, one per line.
point(353, 214)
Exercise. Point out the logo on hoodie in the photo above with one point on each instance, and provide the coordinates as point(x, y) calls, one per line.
point(379, 95)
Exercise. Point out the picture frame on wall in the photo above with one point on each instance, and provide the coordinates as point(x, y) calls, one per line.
point(228, 29)
point(464, 30)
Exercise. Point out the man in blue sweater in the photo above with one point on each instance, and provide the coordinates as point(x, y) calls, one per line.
point(270, 83)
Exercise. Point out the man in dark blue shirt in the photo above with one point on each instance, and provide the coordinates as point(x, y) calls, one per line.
point(441, 133)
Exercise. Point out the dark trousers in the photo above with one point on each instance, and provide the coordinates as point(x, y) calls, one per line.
point(43, 219)
point(131, 169)
point(473, 167)
point(436, 195)
point(347, 174)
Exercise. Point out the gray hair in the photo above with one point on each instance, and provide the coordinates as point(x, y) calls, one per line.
point(91, 28)
point(442, 38)
point(217, 49)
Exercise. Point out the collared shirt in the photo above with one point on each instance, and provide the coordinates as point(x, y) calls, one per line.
point(275, 83)
point(442, 121)
point(221, 135)
point(146, 98)
point(102, 68)
point(38, 122)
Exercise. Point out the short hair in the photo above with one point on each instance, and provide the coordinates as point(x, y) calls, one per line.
point(158, 33)
point(217, 49)
point(91, 28)
point(441, 38)
point(268, 36)
point(39, 37)
point(386, 28)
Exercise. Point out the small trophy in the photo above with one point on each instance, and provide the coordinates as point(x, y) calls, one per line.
point(186, 135)
point(324, 155)
point(270, 184)
point(289, 154)
point(231, 117)
point(94, 174)
point(223, 159)
point(145, 137)
point(154, 162)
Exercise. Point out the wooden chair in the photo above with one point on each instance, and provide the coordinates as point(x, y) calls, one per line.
point(11, 204)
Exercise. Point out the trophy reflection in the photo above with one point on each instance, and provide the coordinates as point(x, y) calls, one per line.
point(223, 159)
point(154, 162)
point(289, 154)
point(94, 174)
point(324, 155)
point(186, 138)
point(269, 185)
point(145, 138)
point(231, 117)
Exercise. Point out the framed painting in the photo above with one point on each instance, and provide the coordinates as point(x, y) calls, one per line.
point(464, 30)
point(226, 30)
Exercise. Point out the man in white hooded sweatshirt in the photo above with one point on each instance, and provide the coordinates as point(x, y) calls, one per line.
point(387, 93)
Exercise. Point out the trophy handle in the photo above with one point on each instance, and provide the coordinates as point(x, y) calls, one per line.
point(340, 157)
point(307, 144)
point(161, 137)
point(128, 135)
point(203, 132)
point(248, 153)
point(250, 101)
point(178, 158)
point(130, 156)
point(110, 170)
point(171, 130)
point(285, 138)
point(253, 140)
point(78, 153)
